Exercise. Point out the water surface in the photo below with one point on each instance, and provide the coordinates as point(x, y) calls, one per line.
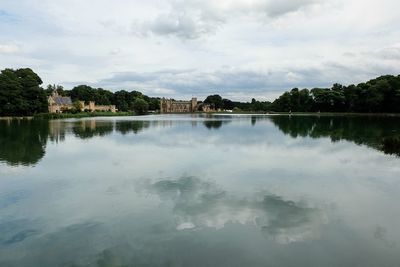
point(195, 190)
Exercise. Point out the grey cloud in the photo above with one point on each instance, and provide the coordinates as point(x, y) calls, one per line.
point(199, 204)
point(390, 53)
point(194, 19)
point(180, 25)
point(234, 82)
point(282, 7)
point(197, 82)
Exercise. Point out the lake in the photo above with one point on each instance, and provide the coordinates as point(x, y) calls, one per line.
point(200, 190)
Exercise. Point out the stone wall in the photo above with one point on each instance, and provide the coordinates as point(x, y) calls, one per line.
point(172, 106)
point(93, 107)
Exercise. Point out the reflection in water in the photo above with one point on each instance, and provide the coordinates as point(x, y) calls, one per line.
point(125, 127)
point(90, 128)
point(104, 212)
point(198, 204)
point(381, 133)
point(22, 141)
point(200, 209)
point(211, 124)
point(380, 233)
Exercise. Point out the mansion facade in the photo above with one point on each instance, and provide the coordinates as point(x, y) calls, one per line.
point(60, 104)
point(180, 106)
point(173, 106)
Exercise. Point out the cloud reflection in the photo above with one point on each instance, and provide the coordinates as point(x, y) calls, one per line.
point(198, 204)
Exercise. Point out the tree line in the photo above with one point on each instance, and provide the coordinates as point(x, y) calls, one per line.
point(219, 103)
point(123, 100)
point(21, 94)
point(377, 95)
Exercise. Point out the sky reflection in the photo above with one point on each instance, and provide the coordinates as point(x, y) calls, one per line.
point(199, 191)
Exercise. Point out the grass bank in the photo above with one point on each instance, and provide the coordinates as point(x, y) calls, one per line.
point(50, 116)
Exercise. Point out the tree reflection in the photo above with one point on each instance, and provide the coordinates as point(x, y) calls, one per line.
point(381, 133)
point(90, 128)
point(125, 127)
point(23, 142)
point(210, 124)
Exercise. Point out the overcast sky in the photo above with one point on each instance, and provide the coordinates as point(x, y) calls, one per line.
point(174, 48)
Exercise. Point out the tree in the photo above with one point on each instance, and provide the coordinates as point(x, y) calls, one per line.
point(77, 106)
point(20, 92)
point(215, 101)
point(140, 106)
point(52, 87)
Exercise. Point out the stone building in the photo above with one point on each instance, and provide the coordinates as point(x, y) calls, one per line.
point(60, 104)
point(93, 107)
point(173, 106)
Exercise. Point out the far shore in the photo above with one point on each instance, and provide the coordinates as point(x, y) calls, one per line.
point(119, 114)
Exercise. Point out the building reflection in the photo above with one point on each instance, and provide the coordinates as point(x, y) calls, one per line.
point(23, 142)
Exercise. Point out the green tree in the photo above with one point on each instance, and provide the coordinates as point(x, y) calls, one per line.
point(20, 92)
point(140, 106)
point(215, 101)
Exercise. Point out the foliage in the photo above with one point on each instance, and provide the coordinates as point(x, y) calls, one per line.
point(77, 106)
point(215, 101)
point(236, 109)
point(377, 95)
point(20, 93)
point(140, 106)
point(52, 87)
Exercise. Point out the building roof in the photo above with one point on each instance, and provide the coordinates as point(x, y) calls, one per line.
point(62, 100)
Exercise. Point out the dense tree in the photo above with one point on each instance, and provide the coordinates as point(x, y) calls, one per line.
point(378, 95)
point(20, 92)
point(140, 106)
point(59, 88)
point(215, 101)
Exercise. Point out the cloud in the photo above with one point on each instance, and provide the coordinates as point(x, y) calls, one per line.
point(195, 19)
point(9, 49)
point(180, 25)
point(175, 83)
point(282, 7)
point(199, 204)
point(233, 81)
point(186, 20)
point(389, 52)
point(178, 48)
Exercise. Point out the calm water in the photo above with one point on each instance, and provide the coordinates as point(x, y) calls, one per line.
point(200, 191)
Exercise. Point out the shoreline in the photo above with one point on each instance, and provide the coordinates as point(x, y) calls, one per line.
point(125, 114)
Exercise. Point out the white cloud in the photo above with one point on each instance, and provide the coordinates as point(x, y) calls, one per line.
point(9, 49)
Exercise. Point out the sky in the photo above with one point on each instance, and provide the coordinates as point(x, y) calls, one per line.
point(239, 49)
